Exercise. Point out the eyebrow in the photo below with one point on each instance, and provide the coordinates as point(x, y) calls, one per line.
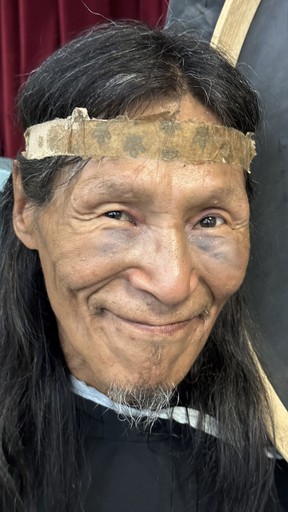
point(222, 193)
point(106, 187)
point(123, 188)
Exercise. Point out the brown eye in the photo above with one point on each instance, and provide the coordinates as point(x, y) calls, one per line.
point(116, 215)
point(211, 221)
point(119, 215)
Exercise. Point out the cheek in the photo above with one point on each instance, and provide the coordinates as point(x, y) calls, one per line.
point(84, 260)
point(224, 261)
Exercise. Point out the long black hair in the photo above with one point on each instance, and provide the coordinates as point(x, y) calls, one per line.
point(111, 70)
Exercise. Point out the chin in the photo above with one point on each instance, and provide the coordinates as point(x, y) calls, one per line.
point(143, 397)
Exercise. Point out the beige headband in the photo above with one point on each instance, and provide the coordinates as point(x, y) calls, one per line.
point(152, 137)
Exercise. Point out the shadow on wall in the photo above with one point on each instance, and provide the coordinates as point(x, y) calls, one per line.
point(5, 170)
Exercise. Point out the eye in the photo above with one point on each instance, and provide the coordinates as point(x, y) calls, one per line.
point(211, 221)
point(119, 215)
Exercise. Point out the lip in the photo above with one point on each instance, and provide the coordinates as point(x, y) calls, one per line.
point(166, 329)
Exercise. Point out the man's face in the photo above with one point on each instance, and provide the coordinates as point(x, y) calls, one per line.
point(139, 257)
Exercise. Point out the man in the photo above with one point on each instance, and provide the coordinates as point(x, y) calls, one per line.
point(127, 380)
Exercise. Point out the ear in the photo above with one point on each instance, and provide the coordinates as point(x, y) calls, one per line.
point(23, 212)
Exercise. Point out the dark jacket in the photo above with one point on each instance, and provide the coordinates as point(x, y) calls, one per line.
point(133, 470)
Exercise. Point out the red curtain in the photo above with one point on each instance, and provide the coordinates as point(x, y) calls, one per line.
point(30, 30)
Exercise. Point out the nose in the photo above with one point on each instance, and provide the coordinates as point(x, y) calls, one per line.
point(166, 269)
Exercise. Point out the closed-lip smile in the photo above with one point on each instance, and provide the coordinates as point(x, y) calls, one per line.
point(162, 329)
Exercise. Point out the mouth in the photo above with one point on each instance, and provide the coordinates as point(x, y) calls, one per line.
point(163, 329)
point(153, 328)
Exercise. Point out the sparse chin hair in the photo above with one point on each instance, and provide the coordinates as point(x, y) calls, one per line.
point(148, 401)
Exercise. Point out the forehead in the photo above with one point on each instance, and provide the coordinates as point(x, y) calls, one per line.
point(130, 177)
point(184, 108)
point(139, 178)
point(151, 180)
